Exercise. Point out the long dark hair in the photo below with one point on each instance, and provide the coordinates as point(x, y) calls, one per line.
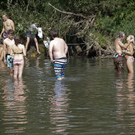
point(17, 40)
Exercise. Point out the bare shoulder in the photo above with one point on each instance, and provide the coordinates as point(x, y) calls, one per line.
point(131, 45)
point(119, 42)
point(21, 45)
point(10, 20)
point(52, 42)
point(5, 41)
point(62, 39)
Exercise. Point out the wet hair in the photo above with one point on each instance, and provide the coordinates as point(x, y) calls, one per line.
point(17, 40)
point(121, 34)
point(54, 33)
point(10, 31)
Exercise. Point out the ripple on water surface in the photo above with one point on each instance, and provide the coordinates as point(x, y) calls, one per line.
point(92, 99)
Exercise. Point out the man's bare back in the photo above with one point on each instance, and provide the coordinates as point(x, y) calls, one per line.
point(8, 24)
point(58, 47)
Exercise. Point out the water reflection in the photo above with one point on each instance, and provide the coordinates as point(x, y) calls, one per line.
point(125, 96)
point(14, 101)
point(2, 65)
point(59, 108)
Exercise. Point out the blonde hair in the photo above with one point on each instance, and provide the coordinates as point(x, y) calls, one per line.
point(131, 38)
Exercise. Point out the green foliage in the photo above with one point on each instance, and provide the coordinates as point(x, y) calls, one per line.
point(111, 16)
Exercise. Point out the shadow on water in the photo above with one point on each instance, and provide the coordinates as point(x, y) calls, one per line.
point(14, 114)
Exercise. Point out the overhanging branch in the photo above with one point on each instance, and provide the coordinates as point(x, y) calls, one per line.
point(64, 12)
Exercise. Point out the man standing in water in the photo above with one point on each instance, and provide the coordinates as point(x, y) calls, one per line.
point(118, 57)
point(58, 48)
point(8, 44)
point(7, 24)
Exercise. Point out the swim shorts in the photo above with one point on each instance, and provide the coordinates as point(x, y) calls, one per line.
point(5, 35)
point(59, 67)
point(10, 61)
point(118, 62)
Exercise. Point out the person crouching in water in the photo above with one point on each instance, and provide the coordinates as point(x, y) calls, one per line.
point(129, 54)
point(58, 48)
point(18, 50)
point(118, 57)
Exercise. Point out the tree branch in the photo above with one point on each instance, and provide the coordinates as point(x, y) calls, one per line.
point(69, 13)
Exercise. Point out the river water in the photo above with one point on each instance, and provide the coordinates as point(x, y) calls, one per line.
point(91, 100)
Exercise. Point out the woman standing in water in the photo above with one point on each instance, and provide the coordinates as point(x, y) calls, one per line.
point(129, 54)
point(18, 50)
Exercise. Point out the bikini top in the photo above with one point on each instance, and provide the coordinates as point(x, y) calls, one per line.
point(18, 53)
point(127, 49)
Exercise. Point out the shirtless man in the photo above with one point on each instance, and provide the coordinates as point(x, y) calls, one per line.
point(118, 57)
point(58, 48)
point(8, 44)
point(7, 24)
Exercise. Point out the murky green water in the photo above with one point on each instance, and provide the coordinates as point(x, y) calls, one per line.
point(92, 100)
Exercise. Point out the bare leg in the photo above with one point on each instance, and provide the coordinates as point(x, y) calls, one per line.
point(1, 53)
point(11, 72)
point(27, 43)
point(130, 65)
point(21, 69)
point(36, 42)
point(16, 68)
point(60, 78)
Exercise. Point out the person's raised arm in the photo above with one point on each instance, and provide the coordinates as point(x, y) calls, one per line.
point(124, 45)
point(4, 45)
point(47, 28)
point(50, 50)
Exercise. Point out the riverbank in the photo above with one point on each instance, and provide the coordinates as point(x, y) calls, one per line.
point(88, 49)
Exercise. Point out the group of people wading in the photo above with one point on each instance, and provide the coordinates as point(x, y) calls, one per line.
point(13, 52)
point(122, 50)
